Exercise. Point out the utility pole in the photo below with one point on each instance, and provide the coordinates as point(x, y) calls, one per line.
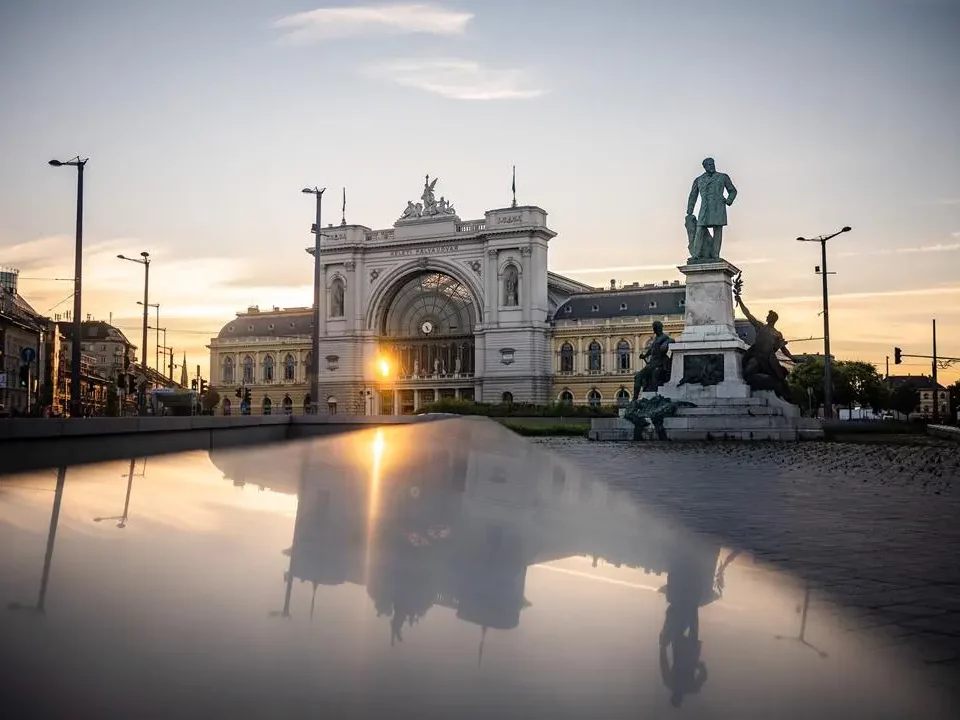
point(888, 368)
point(936, 391)
point(314, 368)
point(171, 363)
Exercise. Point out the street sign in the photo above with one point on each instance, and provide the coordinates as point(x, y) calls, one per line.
point(28, 354)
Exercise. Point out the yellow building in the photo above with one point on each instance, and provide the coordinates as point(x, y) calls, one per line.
point(598, 338)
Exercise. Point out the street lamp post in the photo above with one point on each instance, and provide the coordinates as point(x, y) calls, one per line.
point(75, 410)
point(827, 369)
point(145, 261)
point(314, 368)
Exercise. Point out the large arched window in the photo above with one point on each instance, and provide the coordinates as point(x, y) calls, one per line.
point(623, 397)
point(227, 406)
point(267, 406)
point(287, 405)
point(623, 355)
point(248, 370)
point(511, 286)
point(595, 357)
point(566, 397)
point(429, 306)
point(507, 398)
point(566, 358)
point(289, 367)
point(336, 298)
point(268, 369)
point(226, 374)
point(594, 398)
point(306, 404)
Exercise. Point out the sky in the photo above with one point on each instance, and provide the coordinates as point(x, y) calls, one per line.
point(203, 120)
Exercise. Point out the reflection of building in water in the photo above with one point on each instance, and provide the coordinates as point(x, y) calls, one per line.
point(452, 514)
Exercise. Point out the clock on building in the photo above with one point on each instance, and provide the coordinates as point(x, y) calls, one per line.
point(427, 327)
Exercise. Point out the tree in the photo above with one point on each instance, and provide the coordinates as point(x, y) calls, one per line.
point(905, 399)
point(211, 400)
point(953, 393)
point(806, 384)
point(864, 384)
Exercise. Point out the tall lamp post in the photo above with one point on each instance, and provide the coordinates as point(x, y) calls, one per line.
point(827, 369)
point(145, 261)
point(75, 404)
point(156, 360)
point(314, 368)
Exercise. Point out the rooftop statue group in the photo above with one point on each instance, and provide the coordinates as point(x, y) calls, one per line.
point(428, 206)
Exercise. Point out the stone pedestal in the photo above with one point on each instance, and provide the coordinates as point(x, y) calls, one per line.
point(707, 357)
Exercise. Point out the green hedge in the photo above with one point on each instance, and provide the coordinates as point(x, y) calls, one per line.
point(547, 430)
point(466, 407)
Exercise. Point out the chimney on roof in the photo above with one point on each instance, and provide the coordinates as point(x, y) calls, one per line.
point(253, 309)
point(676, 282)
point(666, 282)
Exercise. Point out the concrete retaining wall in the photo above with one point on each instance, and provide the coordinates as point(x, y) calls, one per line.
point(31, 444)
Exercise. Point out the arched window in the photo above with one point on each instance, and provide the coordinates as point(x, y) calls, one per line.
point(566, 397)
point(226, 375)
point(267, 406)
point(332, 405)
point(511, 286)
point(336, 298)
point(566, 358)
point(227, 406)
point(308, 362)
point(594, 398)
point(289, 368)
point(507, 398)
point(248, 370)
point(595, 357)
point(306, 404)
point(623, 355)
point(623, 397)
point(287, 405)
point(268, 369)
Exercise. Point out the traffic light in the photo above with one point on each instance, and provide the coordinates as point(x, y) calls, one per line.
point(24, 375)
point(897, 356)
point(202, 387)
point(193, 384)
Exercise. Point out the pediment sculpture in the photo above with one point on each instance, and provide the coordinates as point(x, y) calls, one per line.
point(429, 206)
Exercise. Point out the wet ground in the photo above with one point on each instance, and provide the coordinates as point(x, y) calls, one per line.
point(875, 527)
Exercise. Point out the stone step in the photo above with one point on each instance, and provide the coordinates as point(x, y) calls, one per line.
point(732, 410)
point(778, 434)
point(719, 423)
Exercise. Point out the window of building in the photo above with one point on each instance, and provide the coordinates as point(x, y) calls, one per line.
point(248, 370)
point(566, 358)
point(623, 355)
point(595, 308)
point(653, 304)
point(623, 397)
point(332, 405)
point(268, 369)
point(623, 306)
point(306, 404)
point(507, 398)
point(595, 357)
point(566, 397)
point(511, 286)
point(289, 367)
point(568, 309)
point(267, 407)
point(594, 398)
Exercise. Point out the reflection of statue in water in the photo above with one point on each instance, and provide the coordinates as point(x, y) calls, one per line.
point(705, 232)
point(761, 367)
point(657, 370)
point(690, 585)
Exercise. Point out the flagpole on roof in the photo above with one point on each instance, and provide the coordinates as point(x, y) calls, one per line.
point(514, 186)
point(343, 212)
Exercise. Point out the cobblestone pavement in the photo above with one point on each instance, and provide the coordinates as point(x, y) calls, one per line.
point(875, 527)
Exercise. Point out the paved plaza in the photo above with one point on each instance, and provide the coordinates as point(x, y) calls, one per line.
point(875, 527)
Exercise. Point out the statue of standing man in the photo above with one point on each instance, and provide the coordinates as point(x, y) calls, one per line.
point(705, 231)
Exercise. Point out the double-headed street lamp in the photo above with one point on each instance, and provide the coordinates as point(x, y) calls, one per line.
point(145, 261)
point(146, 305)
point(827, 370)
point(314, 368)
point(75, 410)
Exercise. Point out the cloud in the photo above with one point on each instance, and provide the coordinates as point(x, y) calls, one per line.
point(401, 19)
point(908, 250)
point(634, 268)
point(458, 79)
point(801, 299)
